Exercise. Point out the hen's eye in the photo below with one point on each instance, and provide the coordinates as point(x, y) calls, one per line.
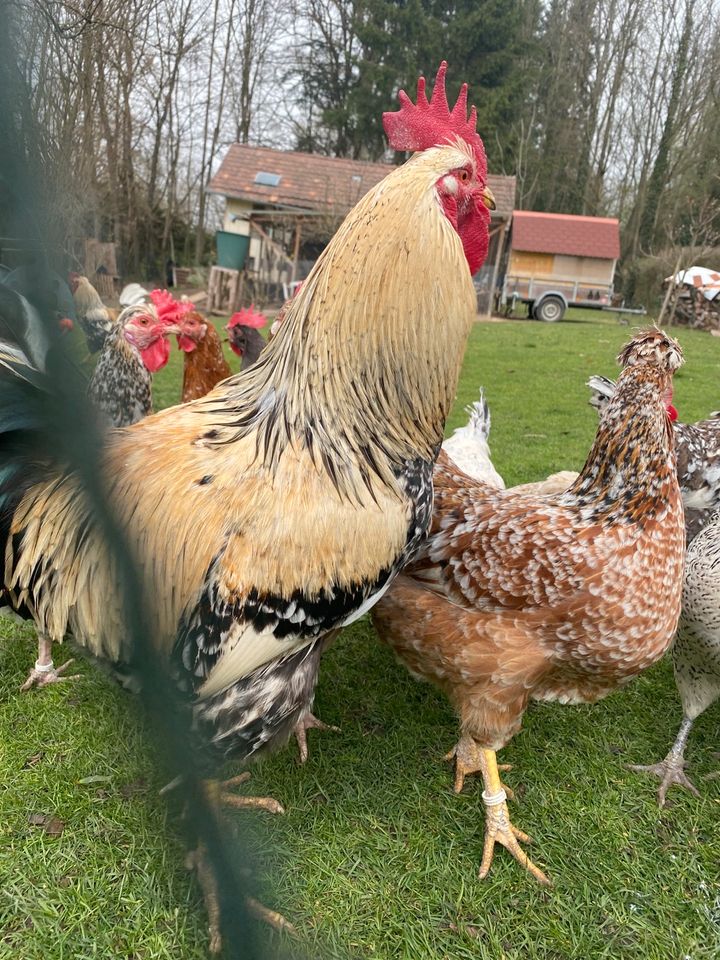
point(463, 176)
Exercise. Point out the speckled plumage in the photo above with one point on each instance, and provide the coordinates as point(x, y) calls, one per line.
point(121, 384)
point(565, 597)
point(696, 651)
point(697, 450)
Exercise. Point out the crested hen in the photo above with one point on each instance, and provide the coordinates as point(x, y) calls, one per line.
point(517, 596)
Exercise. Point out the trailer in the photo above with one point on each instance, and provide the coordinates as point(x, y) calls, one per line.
point(555, 261)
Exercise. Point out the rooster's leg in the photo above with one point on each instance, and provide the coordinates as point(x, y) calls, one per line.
point(219, 796)
point(468, 759)
point(198, 860)
point(45, 671)
point(498, 828)
point(308, 722)
point(219, 793)
point(672, 768)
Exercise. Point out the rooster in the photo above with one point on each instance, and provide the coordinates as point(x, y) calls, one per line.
point(136, 347)
point(310, 475)
point(205, 365)
point(94, 317)
point(518, 596)
point(244, 335)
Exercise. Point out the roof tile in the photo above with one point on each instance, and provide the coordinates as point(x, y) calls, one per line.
point(565, 234)
point(310, 181)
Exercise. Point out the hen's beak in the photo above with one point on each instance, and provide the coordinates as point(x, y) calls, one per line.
point(488, 199)
point(171, 328)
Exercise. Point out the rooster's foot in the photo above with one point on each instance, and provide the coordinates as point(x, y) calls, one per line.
point(198, 860)
point(468, 760)
point(308, 722)
point(44, 673)
point(219, 793)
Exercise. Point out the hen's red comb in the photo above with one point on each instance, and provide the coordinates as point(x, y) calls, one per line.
point(418, 126)
point(248, 317)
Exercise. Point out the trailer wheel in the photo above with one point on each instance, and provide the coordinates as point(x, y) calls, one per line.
point(550, 310)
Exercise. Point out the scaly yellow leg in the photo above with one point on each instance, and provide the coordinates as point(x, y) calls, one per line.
point(467, 756)
point(498, 828)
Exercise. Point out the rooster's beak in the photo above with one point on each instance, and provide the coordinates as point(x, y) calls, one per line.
point(488, 199)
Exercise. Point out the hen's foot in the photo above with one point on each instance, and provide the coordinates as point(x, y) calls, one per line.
point(198, 860)
point(468, 760)
point(44, 673)
point(219, 793)
point(499, 829)
point(309, 722)
point(670, 770)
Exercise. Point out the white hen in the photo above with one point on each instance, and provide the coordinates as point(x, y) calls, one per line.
point(468, 447)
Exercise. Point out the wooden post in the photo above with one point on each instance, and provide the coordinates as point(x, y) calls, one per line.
point(500, 234)
point(296, 250)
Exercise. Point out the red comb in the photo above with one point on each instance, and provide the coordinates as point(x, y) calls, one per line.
point(169, 310)
point(418, 126)
point(248, 317)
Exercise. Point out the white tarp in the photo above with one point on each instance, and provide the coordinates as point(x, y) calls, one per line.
point(705, 280)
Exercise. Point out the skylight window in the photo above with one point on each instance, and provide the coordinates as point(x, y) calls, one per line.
point(268, 179)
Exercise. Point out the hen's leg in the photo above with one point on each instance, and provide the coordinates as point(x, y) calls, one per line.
point(468, 759)
point(308, 721)
point(45, 671)
point(498, 828)
point(672, 768)
point(219, 796)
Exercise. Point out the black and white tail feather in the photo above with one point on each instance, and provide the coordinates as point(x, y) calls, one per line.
point(601, 389)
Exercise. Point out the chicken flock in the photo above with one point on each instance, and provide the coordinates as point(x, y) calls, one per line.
point(322, 490)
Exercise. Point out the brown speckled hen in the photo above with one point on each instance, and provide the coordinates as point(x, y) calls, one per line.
point(205, 364)
point(697, 449)
point(518, 597)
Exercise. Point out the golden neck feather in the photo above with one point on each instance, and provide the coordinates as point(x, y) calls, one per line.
point(364, 368)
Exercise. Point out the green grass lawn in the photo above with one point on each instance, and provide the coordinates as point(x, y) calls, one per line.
point(376, 857)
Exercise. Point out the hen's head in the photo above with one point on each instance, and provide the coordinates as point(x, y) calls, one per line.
point(148, 333)
point(239, 325)
point(194, 327)
point(462, 191)
point(652, 346)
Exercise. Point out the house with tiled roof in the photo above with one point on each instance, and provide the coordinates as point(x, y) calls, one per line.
point(556, 260)
point(296, 201)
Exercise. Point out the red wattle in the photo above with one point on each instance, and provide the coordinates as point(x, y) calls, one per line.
point(672, 412)
point(235, 349)
point(156, 355)
point(186, 344)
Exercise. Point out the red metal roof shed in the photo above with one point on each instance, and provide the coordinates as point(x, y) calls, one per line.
point(566, 235)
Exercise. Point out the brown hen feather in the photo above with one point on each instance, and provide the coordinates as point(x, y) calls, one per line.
point(205, 366)
point(562, 597)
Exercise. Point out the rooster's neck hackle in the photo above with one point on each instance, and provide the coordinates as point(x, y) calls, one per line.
point(364, 368)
